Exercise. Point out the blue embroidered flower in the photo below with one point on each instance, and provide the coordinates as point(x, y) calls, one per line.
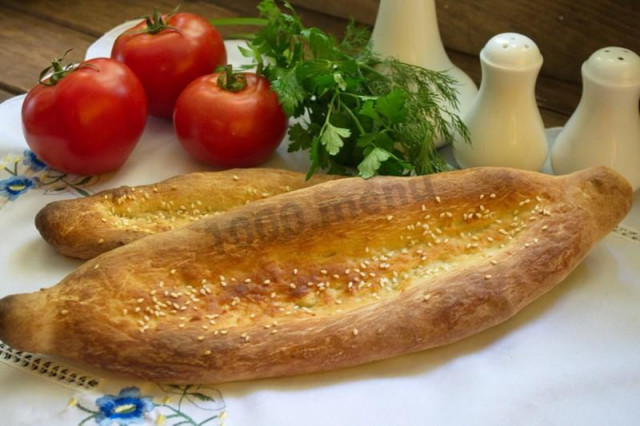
point(126, 408)
point(15, 186)
point(32, 161)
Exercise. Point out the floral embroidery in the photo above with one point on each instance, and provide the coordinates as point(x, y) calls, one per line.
point(126, 408)
point(196, 406)
point(15, 185)
point(32, 161)
point(27, 172)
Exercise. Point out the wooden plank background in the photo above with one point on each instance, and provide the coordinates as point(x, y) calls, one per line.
point(567, 32)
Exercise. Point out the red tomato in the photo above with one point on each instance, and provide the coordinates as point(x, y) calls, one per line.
point(89, 121)
point(230, 128)
point(168, 60)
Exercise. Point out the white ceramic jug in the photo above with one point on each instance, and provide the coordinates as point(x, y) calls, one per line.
point(605, 127)
point(408, 30)
point(504, 122)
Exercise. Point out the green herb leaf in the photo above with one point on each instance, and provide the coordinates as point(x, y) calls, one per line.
point(332, 138)
point(299, 138)
point(289, 90)
point(340, 80)
point(393, 106)
point(372, 162)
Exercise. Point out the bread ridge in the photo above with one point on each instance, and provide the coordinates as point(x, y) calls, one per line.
point(310, 235)
point(86, 227)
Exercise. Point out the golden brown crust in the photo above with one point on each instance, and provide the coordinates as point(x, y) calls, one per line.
point(339, 274)
point(87, 227)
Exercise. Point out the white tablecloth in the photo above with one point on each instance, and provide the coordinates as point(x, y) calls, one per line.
point(571, 358)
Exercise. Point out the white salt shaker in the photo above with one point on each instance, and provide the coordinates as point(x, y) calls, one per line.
point(504, 122)
point(408, 31)
point(605, 127)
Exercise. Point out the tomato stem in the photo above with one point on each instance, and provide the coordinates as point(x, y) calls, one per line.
point(230, 81)
point(58, 72)
point(157, 22)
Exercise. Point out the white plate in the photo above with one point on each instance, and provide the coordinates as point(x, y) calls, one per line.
point(572, 357)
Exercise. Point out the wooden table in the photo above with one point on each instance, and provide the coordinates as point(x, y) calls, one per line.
point(34, 31)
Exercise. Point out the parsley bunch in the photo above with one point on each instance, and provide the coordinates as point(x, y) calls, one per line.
point(356, 113)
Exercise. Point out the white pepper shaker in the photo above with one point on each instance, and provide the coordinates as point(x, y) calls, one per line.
point(605, 127)
point(504, 122)
point(408, 31)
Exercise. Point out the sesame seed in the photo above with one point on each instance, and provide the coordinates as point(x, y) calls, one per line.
point(200, 338)
point(235, 177)
point(426, 297)
point(487, 277)
point(101, 240)
point(64, 312)
point(224, 331)
point(96, 266)
point(173, 271)
point(438, 199)
point(494, 262)
point(390, 217)
point(492, 196)
point(207, 352)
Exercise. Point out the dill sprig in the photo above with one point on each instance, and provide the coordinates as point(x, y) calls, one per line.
point(355, 113)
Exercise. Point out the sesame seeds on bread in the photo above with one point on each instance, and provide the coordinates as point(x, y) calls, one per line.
point(338, 274)
point(86, 227)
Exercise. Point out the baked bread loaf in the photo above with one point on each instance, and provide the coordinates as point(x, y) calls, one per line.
point(339, 274)
point(86, 227)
